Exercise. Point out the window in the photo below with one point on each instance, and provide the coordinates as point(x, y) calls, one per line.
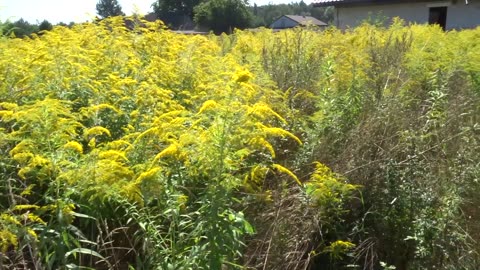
point(438, 15)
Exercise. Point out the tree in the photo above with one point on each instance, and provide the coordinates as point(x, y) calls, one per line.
point(222, 16)
point(45, 26)
point(20, 28)
point(177, 7)
point(175, 13)
point(109, 8)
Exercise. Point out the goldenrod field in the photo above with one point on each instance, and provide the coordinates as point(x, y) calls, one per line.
point(146, 149)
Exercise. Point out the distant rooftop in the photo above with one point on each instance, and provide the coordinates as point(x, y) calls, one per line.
point(190, 32)
point(326, 2)
point(306, 20)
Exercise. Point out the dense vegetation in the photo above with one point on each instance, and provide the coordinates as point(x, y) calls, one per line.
point(225, 15)
point(109, 8)
point(22, 28)
point(219, 16)
point(146, 149)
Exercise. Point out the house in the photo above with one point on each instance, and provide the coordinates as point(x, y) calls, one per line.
point(449, 14)
point(290, 21)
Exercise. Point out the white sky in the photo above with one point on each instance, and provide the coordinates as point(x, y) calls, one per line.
point(79, 10)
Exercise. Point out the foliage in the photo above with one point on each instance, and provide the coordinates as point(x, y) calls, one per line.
point(100, 148)
point(393, 116)
point(20, 28)
point(223, 16)
point(109, 8)
point(146, 149)
point(184, 7)
point(45, 26)
point(176, 14)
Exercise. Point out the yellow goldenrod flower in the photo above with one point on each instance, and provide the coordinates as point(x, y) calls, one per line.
point(209, 104)
point(113, 155)
point(282, 169)
point(75, 146)
point(96, 131)
point(170, 150)
point(21, 207)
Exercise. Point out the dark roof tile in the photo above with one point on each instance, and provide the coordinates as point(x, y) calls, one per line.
point(304, 20)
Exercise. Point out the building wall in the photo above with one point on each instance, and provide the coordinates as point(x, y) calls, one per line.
point(459, 15)
point(463, 16)
point(283, 22)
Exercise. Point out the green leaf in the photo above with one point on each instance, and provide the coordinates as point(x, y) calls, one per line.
point(248, 227)
point(82, 215)
point(85, 251)
point(74, 266)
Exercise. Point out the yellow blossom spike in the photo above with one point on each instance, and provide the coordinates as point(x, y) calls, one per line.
point(92, 143)
point(279, 132)
point(113, 155)
point(75, 146)
point(36, 219)
point(21, 207)
point(27, 191)
point(32, 233)
point(170, 150)
point(9, 219)
point(263, 110)
point(242, 76)
point(7, 239)
point(97, 130)
point(209, 104)
point(259, 141)
point(282, 169)
point(148, 174)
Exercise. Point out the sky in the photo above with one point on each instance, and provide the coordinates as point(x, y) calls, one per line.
point(56, 11)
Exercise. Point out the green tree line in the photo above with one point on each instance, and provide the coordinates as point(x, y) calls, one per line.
point(224, 15)
point(22, 28)
point(215, 15)
point(218, 15)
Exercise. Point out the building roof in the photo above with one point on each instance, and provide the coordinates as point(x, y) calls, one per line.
point(326, 2)
point(306, 20)
point(323, 3)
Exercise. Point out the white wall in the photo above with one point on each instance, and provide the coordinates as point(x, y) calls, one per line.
point(459, 15)
point(283, 22)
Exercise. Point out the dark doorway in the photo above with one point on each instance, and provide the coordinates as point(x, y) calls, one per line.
point(438, 15)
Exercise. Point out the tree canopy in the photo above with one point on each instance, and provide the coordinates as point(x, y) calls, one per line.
point(178, 7)
point(20, 28)
point(222, 16)
point(109, 8)
point(176, 14)
point(45, 26)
